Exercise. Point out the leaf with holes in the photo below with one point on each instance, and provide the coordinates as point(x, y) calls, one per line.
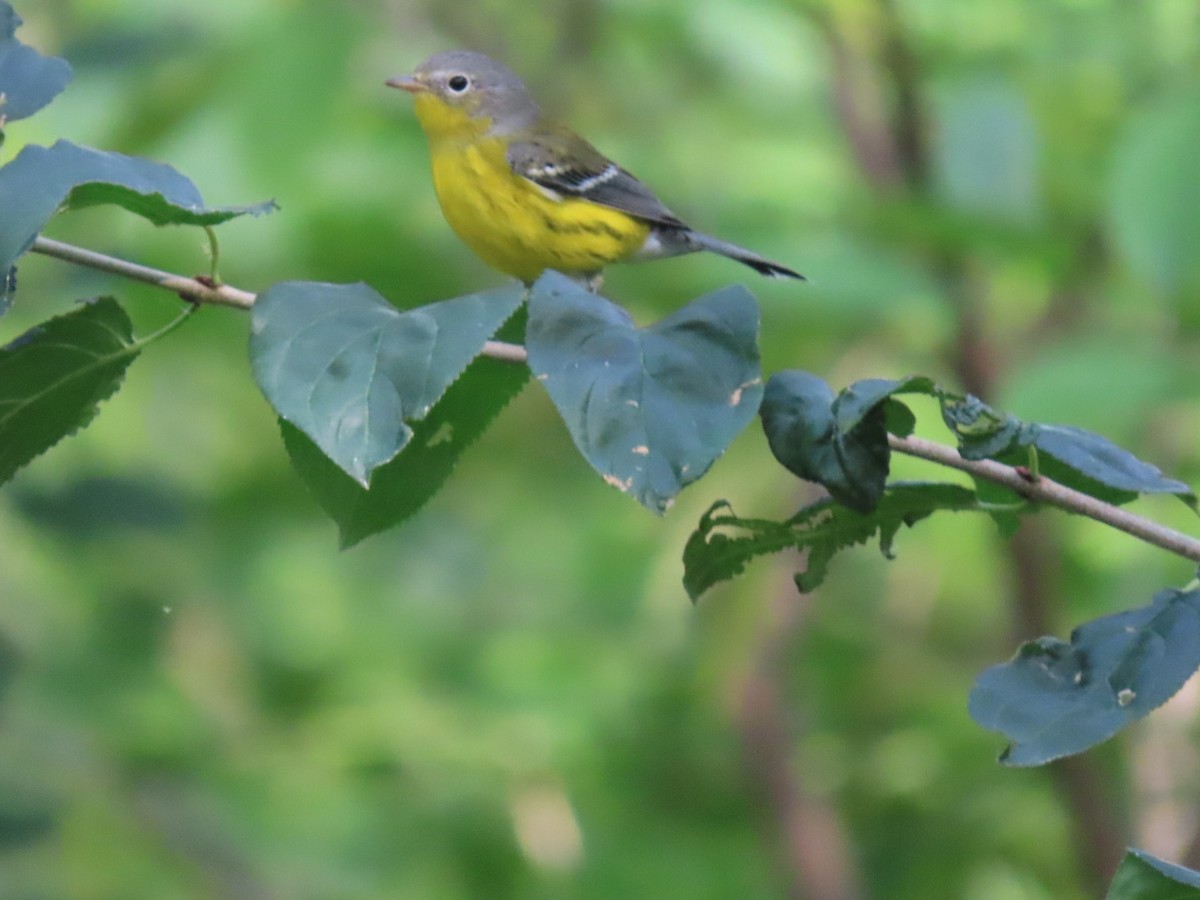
point(723, 543)
point(1054, 699)
point(54, 377)
point(651, 409)
point(351, 371)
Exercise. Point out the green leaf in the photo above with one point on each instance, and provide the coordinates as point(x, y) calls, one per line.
point(982, 432)
point(54, 377)
point(1104, 470)
point(861, 399)
point(41, 180)
point(1054, 699)
point(1144, 877)
point(844, 450)
point(350, 370)
point(28, 80)
point(1003, 504)
point(1156, 191)
point(723, 543)
point(651, 409)
point(401, 487)
point(1071, 456)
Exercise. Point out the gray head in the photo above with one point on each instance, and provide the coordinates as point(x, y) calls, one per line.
point(472, 82)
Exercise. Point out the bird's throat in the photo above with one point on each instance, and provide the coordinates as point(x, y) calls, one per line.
point(442, 122)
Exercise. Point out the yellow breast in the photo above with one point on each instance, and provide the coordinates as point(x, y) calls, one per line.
point(508, 221)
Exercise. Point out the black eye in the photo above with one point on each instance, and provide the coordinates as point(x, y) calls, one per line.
point(458, 83)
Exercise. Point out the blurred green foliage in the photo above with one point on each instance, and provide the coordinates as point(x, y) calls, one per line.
point(511, 695)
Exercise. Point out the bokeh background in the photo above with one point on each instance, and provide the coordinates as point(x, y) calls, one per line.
point(511, 696)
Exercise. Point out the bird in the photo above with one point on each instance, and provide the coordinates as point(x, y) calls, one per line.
point(527, 194)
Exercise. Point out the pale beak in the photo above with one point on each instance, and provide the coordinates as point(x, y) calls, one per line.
point(407, 83)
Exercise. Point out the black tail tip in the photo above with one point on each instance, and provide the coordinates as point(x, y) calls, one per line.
point(773, 270)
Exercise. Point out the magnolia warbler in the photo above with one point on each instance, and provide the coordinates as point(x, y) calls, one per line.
point(526, 193)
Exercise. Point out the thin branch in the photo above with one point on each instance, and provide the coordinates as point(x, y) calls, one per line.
point(189, 288)
point(196, 290)
point(1043, 490)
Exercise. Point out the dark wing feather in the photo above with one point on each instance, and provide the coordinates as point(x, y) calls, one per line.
point(568, 165)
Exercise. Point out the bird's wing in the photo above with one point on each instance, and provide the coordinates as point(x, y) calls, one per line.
point(567, 165)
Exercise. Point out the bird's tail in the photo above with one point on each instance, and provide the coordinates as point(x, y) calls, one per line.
point(759, 264)
point(675, 240)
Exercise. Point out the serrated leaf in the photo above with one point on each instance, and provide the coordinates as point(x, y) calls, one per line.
point(54, 377)
point(351, 371)
point(41, 180)
point(724, 543)
point(1142, 876)
point(802, 421)
point(401, 487)
point(28, 80)
point(1054, 699)
point(651, 409)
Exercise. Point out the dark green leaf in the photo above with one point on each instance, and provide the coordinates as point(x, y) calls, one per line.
point(28, 80)
point(1071, 456)
point(1054, 699)
point(350, 370)
point(854, 403)
point(802, 421)
point(1095, 465)
point(1144, 877)
point(1003, 504)
point(898, 419)
point(54, 377)
point(723, 543)
point(41, 180)
point(401, 487)
point(651, 409)
point(983, 433)
point(860, 399)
